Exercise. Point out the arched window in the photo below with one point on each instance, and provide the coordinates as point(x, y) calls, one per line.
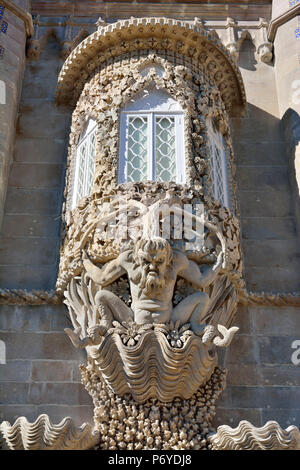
point(152, 139)
point(218, 164)
point(85, 163)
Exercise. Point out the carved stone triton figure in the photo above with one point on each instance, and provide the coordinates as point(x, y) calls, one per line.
point(152, 268)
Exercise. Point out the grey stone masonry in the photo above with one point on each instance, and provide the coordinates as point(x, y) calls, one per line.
point(263, 381)
point(12, 63)
point(270, 242)
point(30, 234)
point(41, 373)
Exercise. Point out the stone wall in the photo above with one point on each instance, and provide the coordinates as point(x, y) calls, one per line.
point(12, 63)
point(269, 239)
point(30, 234)
point(262, 384)
point(41, 374)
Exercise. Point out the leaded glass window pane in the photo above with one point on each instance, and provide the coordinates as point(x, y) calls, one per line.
point(218, 166)
point(219, 177)
point(137, 148)
point(152, 138)
point(85, 164)
point(165, 149)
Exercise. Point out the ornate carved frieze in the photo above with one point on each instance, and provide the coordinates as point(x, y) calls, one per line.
point(156, 34)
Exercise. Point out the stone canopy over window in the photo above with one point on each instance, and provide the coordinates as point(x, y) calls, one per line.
point(109, 72)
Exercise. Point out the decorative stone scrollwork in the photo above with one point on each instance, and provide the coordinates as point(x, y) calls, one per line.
point(43, 435)
point(247, 437)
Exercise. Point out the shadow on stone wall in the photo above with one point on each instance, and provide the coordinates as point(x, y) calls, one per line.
point(269, 237)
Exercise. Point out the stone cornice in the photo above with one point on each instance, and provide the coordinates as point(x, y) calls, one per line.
point(20, 13)
point(280, 20)
point(216, 10)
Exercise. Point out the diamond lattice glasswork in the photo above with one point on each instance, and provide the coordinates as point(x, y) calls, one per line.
point(218, 165)
point(85, 164)
point(137, 148)
point(165, 148)
point(152, 139)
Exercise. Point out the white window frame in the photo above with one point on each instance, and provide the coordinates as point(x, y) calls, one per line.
point(85, 138)
point(151, 157)
point(216, 140)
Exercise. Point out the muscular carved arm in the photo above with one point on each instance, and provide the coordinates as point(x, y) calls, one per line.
point(108, 273)
point(201, 278)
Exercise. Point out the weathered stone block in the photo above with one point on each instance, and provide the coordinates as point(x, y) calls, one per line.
point(15, 371)
point(287, 375)
point(12, 412)
point(39, 202)
point(243, 320)
point(28, 251)
point(263, 179)
point(80, 414)
point(272, 280)
point(40, 118)
point(58, 393)
point(52, 371)
point(242, 350)
point(257, 228)
point(271, 253)
point(265, 397)
point(232, 417)
point(38, 345)
point(259, 153)
point(40, 150)
point(24, 277)
point(244, 374)
point(14, 392)
point(18, 225)
point(252, 130)
point(30, 318)
point(276, 349)
point(275, 320)
point(265, 204)
point(285, 417)
point(35, 175)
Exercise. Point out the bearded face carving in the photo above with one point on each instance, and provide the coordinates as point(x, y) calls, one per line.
point(153, 258)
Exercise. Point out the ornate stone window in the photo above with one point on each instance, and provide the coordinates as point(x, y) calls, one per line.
point(218, 162)
point(85, 163)
point(152, 139)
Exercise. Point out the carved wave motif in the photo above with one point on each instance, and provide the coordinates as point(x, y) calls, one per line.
point(247, 437)
point(43, 435)
point(153, 368)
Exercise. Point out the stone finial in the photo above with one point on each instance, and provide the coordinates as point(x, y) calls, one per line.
point(33, 49)
point(231, 42)
point(34, 45)
point(265, 52)
point(100, 23)
point(264, 48)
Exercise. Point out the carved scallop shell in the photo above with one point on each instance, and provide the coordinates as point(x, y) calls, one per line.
point(153, 368)
point(43, 435)
point(247, 437)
